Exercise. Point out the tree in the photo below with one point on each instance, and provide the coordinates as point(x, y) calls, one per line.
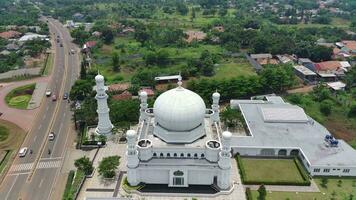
point(231, 117)
point(222, 12)
point(115, 62)
point(108, 36)
point(83, 70)
point(81, 89)
point(326, 107)
point(108, 165)
point(80, 35)
point(193, 14)
point(351, 78)
point(320, 53)
point(352, 111)
point(277, 78)
point(262, 193)
point(182, 8)
point(321, 92)
point(84, 164)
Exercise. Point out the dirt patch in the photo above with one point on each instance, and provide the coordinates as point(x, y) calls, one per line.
point(342, 130)
point(106, 49)
point(15, 137)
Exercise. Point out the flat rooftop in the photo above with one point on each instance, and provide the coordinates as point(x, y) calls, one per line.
point(287, 126)
point(304, 70)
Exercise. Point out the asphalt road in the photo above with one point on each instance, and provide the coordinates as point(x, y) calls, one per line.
point(34, 176)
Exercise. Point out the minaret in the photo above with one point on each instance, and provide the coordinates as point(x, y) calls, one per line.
point(132, 158)
point(215, 107)
point(104, 123)
point(224, 181)
point(143, 106)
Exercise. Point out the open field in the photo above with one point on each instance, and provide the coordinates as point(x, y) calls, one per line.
point(236, 67)
point(334, 190)
point(271, 170)
point(20, 97)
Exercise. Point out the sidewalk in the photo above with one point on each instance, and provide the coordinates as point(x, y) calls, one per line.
point(37, 96)
point(285, 188)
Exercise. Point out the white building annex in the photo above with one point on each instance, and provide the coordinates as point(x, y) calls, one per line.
point(179, 142)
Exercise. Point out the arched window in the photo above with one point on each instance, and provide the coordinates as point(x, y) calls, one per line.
point(178, 173)
point(202, 155)
point(188, 155)
point(161, 155)
point(175, 155)
point(182, 155)
point(154, 154)
point(195, 155)
point(168, 155)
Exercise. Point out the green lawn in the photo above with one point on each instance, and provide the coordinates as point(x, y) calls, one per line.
point(334, 190)
point(231, 69)
point(271, 170)
point(49, 65)
point(5, 160)
point(20, 97)
point(4, 133)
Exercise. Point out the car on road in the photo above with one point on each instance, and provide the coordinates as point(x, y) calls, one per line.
point(72, 51)
point(48, 92)
point(51, 136)
point(65, 96)
point(61, 45)
point(54, 97)
point(23, 151)
point(58, 40)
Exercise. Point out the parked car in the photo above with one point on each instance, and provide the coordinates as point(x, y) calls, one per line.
point(51, 136)
point(23, 152)
point(54, 97)
point(65, 96)
point(48, 92)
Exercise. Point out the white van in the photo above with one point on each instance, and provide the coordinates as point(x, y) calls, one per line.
point(22, 152)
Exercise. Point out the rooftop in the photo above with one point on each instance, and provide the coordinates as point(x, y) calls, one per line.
point(298, 131)
point(304, 70)
point(261, 55)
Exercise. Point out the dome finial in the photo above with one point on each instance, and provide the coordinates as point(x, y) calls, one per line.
point(179, 80)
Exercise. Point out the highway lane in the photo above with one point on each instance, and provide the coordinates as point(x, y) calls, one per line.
point(39, 184)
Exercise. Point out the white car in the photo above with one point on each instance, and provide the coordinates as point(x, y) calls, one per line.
point(72, 51)
point(22, 152)
point(51, 136)
point(48, 93)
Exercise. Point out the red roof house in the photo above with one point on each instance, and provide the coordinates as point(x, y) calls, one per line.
point(10, 34)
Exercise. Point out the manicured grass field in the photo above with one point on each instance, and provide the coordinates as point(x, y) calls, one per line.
point(271, 170)
point(20, 97)
point(334, 190)
point(4, 133)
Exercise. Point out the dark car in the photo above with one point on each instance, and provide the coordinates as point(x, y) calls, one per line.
point(61, 45)
point(65, 96)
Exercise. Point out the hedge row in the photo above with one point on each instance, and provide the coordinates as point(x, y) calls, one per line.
point(67, 192)
point(306, 181)
point(248, 194)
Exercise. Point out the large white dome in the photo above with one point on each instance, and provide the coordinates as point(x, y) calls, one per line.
point(179, 109)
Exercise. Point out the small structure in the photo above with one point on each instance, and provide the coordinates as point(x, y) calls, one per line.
point(336, 86)
point(88, 45)
point(123, 96)
point(264, 58)
point(195, 35)
point(10, 34)
point(149, 91)
point(327, 77)
point(167, 79)
point(12, 47)
point(284, 59)
point(305, 74)
point(104, 124)
point(119, 87)
point(32, 36)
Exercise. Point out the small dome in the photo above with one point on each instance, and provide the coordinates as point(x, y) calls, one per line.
point(131, 134)
point(99, 78)
point(179, 109)
point(143, 94)
point(216, 95)
point(226, 135)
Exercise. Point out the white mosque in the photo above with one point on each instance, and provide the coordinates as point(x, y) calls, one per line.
point(179, 142)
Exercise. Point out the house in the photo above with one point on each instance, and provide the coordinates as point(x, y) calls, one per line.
point(350, 46)
point(336, 86)
point(123, 96)
point(264, 58)
point(195, 35)
point(32, 36)
point(306, 62)
point(285, 59)
point(96, 34)
point(148, 90)
point(167, 79)
point(305, 73)
point(5, 53)
point(12, 47)
point(10, 34)
point(78, 16)
point(336, 67)
point(88, 45)
point(119, 87)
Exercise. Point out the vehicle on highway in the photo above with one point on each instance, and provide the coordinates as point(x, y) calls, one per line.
point(48, 92)
point(23, 151)
point(72, 51)
point(61, 45)
point(54, 97)
point(65, 96)
point(57, 40)
point(51, 136)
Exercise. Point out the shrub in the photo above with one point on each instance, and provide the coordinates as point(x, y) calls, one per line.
point(326, 107)
point(108, 166)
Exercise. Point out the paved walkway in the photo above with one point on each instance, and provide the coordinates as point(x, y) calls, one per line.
point(23, 118)
point(37, 95)
point(284, 188)
point(21, 72)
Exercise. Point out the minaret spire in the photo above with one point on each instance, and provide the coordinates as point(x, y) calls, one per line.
point(104, 124)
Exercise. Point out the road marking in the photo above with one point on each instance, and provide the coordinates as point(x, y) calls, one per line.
point(34, 139)
point(54, 158)
point(40, 183)
point(49, 164)
point(21, 167)
point(47, 108)
point(12, 185)
point(40, 126)
point(20, 173)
